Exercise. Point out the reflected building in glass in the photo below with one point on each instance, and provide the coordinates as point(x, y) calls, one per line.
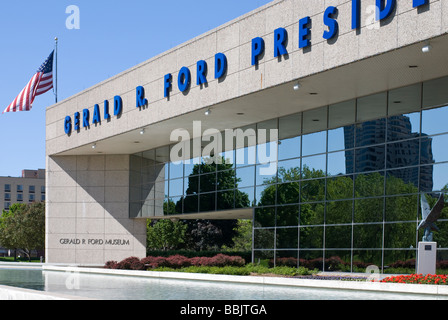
point(408, 151)
point(346, 187)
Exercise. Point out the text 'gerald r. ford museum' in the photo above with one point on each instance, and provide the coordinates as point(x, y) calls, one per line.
point(323, 121)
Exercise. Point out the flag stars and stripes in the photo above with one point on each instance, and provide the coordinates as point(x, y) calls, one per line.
point(40, 83)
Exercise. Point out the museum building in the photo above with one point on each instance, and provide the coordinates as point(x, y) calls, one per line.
point(346, 99)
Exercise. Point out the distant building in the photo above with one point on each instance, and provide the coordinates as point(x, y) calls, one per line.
point(405, 151)
point(28, 188)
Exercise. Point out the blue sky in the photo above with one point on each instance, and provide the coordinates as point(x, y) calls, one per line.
point(113, 36)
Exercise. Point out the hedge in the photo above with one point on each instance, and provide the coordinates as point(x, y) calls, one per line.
point(175, 262)
point(246, 255)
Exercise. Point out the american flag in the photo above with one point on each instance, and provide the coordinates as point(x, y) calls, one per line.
point(40, 83)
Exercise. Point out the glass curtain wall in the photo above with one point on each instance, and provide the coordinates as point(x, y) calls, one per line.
point(345, 192)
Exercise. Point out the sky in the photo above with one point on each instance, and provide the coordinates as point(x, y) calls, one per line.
point(113, 36)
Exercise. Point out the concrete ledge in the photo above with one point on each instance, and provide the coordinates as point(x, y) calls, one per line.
point(12, 293)
point(276, 281)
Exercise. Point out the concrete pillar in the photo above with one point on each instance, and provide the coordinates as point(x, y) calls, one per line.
point(87, 211)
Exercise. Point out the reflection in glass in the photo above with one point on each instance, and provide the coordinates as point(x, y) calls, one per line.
point(207, 202)
point(370, 132)
point(367, 236)
point(317, 164)
point(225, 200)
point(440, 177)
point(191, 204)
point(312, 190)
point(368, 210)
point(434, 121)
point(287, 238)
point(289, 148)
point(338, 236)
point(338, 164)
point(176, 187)
point(225, 180)
point(170, 206)
point(311, 238)
point(289, 170)
point(402, 181)
point(288, 216)
point(192, 166)
point(312, 213)
point(400, 235)
point(264, 238)
point(408, 255)
point(401, 127)
point(247, 197)
point(207, 182)
point(357, 179)
point(403, 208)
point(245, 176)
point(369, 185)
point(370, 158)
point(263, 255)
point(340, 188)
point(364, 258)
point(339, 212)
point(403, 153)
point(245, 156)
point(228, 159)
point(191, 184)
point(266, 173)
point(288, 193)
point(176, 170)
point(265, 195)
point(338, 140)
point(314, 143)
point(434, 149)
point(264, 217)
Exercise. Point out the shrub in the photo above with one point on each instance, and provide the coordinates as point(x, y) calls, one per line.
point(178, 261)
point(222, 260)
point(111, 265)
point(137, 265)
point(155, 262)
point(126, 263)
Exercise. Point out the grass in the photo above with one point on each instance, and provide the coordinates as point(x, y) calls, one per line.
point(250, 269)
point(23, 259)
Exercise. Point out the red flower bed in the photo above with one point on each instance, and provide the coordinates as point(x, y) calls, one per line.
point(418, 279)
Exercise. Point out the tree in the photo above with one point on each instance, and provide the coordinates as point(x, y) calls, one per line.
point(202, 196)
point(165, 234)
point(242, 241)
point(23, 227)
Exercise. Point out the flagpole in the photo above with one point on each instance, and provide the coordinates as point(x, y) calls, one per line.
point(56, 69)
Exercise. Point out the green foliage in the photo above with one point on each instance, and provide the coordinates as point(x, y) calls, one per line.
point(250, 269)
point(165, 234)
point(242, 241)
point(23, 227)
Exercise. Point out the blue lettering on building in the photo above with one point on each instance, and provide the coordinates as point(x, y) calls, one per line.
point(384, 10)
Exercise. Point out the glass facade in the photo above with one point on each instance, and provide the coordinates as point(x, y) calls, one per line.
point(347, 185)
